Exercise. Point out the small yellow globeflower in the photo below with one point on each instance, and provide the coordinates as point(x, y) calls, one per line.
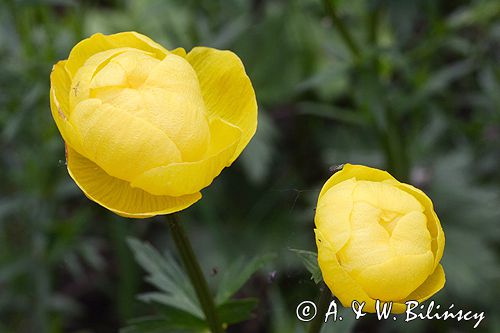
point(146, 128)
point(378, 239)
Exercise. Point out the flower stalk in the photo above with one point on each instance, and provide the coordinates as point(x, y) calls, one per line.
point(195, 274)
point(324, 301)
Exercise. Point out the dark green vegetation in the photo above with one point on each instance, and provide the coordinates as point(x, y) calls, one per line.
point(410, 86)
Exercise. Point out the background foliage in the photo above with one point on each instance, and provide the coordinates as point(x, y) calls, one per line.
point(418, 93)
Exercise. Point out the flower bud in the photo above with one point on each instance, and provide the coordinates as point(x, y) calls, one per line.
point(377, 239)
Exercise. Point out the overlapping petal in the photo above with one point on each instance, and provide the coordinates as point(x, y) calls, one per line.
point(60, 83)
point(226, 89)
point(173, 100)
point(359, 172)
point(397, 277)
point(339, 281)
point(117, 195)
point(190, 177)
point(433, 224)
point(432, 285)
point(99, 43)
point(123, 145)
point(333, 213)
point(81, 82)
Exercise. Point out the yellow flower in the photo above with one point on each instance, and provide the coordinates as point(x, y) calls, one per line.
point(378, 239)
point(146, 128)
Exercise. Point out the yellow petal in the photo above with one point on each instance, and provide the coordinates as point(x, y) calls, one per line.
point(432, 285)
point(82, 80)
point(128, 69)
point(433, 224)
point(226, 89)
point(189, 177)
point(396, 278)
point(333, 214)
point(179, 51)
point(410, 236)
point(117, 195)
point(123, 145)
point(369, 241)
point(386, 197)
point(338, 280)
point(172, 99)
point(125, 99)
point(99, 42)
point(60, 83)
point(359, 172)
point(112, 75)
point(59, 103)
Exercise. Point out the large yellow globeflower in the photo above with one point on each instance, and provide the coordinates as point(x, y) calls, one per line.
point(146, 128)
point(378, 239)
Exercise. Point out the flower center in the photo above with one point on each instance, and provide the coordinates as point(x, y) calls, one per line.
point(388, 220)
point(164, 93)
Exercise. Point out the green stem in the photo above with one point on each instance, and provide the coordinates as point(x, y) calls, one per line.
point(372, 36)
point(344, 33)
point(397, 157)
point(195, 274)
point(323, 303)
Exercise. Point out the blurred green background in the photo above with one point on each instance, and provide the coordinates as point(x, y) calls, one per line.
point(409, 86)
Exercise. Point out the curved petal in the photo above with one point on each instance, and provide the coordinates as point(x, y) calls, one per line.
point(341, 283)
point(333, 214)
point(360, 172)
point(123, 145)
point(179, 51)
point(173, 100)
point(369, 242)
point(128, 69)
point(386, 197)
point(433, 224)
point(410, 236)
point(99, 42)
point(117, 195)
point(170, 99)
point(338, 280)
point(81, 83)
point(227, 90)
point(432, 285)
point(189, 177)
point(60, 83)
point(396, 278)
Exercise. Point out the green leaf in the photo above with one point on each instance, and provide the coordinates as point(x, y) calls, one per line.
point(310, 260)
point(171, 300)
point(237, 274)
point(166, 275)
point(179, 321)
point(237, 310)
